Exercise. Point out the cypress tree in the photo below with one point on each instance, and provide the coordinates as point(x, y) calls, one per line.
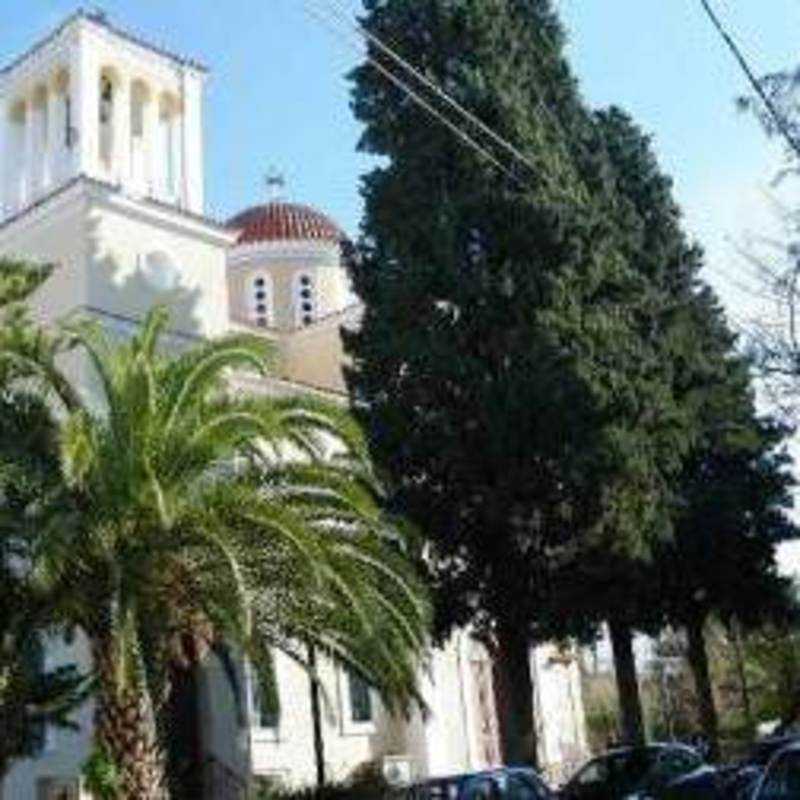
point(509, 367)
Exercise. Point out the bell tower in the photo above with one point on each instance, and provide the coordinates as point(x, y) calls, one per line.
point(92, 100)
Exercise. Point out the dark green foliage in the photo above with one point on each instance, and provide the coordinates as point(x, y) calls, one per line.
point(516, 364)
point(18, 280)
point(366, 783)
point(101, 775)
point(30, 697)
point(499, 367)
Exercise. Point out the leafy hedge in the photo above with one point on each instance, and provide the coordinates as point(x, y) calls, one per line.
point(367, 783)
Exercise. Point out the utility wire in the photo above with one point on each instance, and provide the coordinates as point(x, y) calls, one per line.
point(334, 8)
point(358, 34)
point(772, 110)
point(341, 13)
point(406, 89)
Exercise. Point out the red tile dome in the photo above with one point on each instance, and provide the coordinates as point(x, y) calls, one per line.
point(279, 221)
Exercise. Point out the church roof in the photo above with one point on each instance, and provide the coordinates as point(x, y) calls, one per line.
point(281, 221)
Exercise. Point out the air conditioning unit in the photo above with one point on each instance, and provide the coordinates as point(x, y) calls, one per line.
point(398, 770)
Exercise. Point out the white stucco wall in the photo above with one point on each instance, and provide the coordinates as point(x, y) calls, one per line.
point(127, 245)
point(65, 750)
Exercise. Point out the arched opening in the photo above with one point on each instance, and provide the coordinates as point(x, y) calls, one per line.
point(109, 84)
point(40, 122)
point(62, 112)
point(18, 159)
point(141, 98)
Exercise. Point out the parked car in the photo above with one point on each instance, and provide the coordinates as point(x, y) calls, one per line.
point(714, 783)
point(781, 779)
point(510, 783)
point(631, 773)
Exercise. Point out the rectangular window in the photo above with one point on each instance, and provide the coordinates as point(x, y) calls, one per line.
point(266, 712)
point(360, 698)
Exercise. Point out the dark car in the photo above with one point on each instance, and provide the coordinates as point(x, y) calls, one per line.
point(632, 773)
point(734, 781)
point(510, 783)
point(781, 779)
point(714, 783)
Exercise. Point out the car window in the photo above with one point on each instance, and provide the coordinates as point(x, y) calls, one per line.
point(782, 781)
point(674, 763)
point(518, 787)
point(629, 770)
point(593, 773)
point(481, 789)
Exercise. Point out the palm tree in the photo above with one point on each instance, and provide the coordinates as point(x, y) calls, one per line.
point(193, 512)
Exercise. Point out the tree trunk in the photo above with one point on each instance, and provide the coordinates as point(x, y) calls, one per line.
point(316, 717)
point(125, 729)
point(630, 704)
point(514, 698)
point(698, 661)
point(738, 655)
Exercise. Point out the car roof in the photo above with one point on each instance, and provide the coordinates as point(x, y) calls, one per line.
point(651, 746)
point(484, 773)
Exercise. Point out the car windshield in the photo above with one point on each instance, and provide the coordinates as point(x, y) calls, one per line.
point(630, 769)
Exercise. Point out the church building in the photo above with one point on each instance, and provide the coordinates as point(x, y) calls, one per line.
point(102, 176)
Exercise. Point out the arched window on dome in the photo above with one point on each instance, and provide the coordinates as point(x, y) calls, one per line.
point(305, 301)
point(259, 299)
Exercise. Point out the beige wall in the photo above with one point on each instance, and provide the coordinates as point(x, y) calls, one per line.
point(284, 262)
point(315, 356)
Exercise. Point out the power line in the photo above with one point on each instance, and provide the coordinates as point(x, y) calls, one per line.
point(338, 10)
point(772, 110)
point(544, 174)
point(404, 87)
point(332, 15)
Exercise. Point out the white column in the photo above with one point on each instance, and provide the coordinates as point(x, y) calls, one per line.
point(191, 126)
point(55, 135)
point(151, 139)
point(30, 151)
point(176, 188)
point(122, 131)
point(85, 95)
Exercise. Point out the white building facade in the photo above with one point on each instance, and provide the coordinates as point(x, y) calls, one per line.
point(101, 175)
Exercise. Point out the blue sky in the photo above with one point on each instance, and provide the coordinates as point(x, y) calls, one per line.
point(278, 95)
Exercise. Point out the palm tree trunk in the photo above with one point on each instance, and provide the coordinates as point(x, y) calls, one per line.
point(630, 704)
point(698, 661)
point(514, 698)
point(125, 729)
point(316, 718)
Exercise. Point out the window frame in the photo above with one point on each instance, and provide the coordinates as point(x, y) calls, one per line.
point(349, 726)
point(259, 291)
point(258, 731)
